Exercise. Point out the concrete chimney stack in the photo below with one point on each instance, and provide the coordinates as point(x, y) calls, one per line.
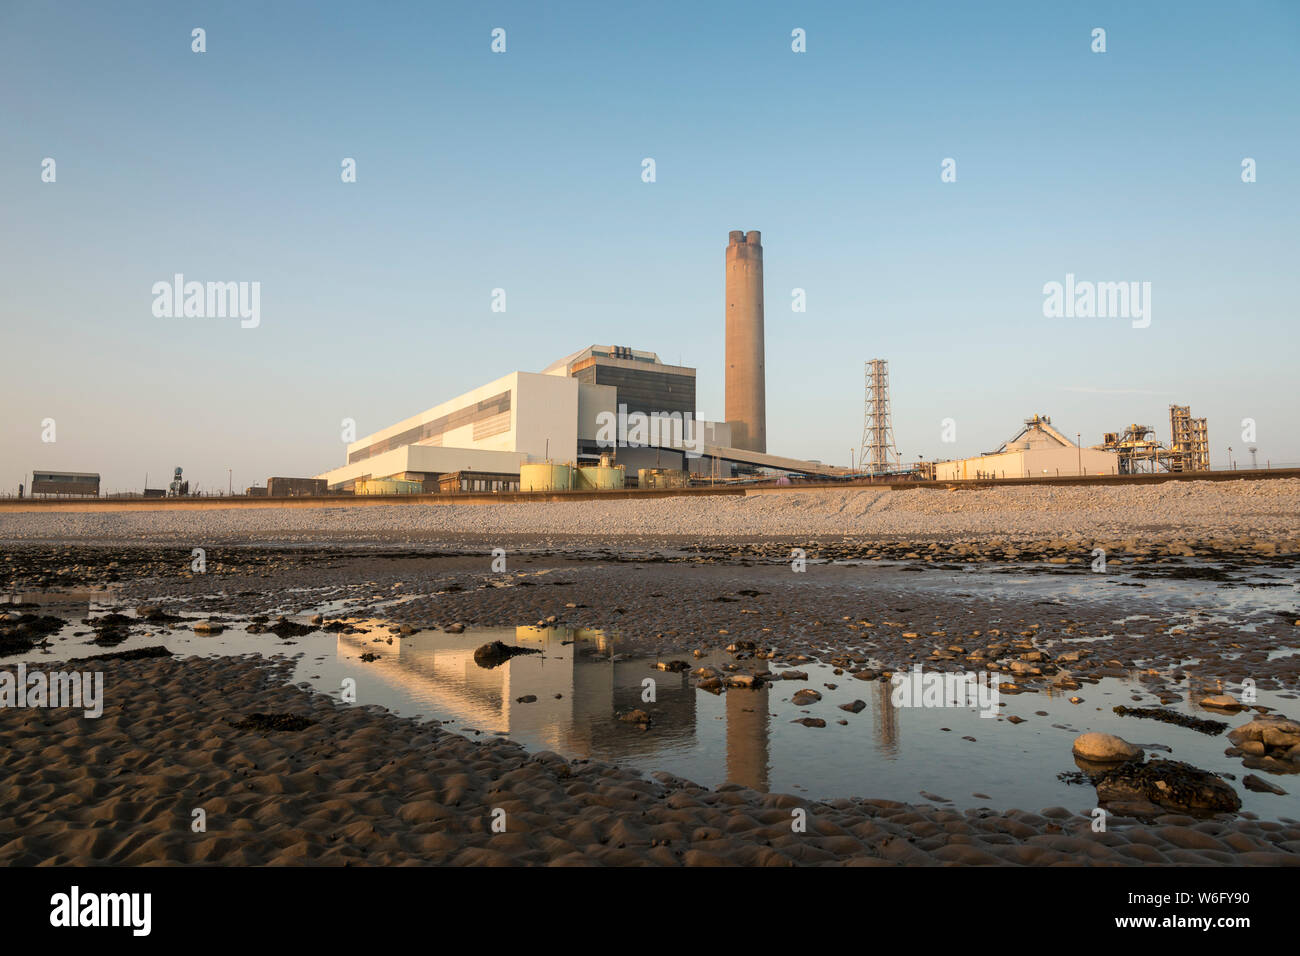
point(746, 380)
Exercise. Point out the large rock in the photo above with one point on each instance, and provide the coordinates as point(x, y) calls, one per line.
point(1170, 784)
point(1270, 742)
point(1105, 748)
point(1272, 730)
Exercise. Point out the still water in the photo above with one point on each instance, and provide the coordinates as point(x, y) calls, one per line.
point(580, 681)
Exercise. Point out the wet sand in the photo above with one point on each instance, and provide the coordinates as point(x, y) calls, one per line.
point(358, 785)
point(1197, 614)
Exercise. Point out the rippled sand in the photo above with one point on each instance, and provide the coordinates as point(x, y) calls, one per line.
point(363, 786)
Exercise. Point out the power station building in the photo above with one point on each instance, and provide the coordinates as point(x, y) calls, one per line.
point(599, 400)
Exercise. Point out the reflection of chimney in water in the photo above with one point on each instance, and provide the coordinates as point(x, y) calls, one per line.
point(747, 745)
point(886, 718)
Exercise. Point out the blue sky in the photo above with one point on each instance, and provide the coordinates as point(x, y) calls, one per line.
point(522, 171)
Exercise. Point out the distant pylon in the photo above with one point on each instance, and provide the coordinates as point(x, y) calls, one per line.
point(878, 454)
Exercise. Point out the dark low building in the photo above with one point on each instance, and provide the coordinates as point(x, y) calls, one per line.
point(295, 487)
point(80, 483)
point(477, 481)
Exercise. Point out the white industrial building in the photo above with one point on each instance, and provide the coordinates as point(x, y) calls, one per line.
point(1038, 450)
point(492, 428)
point(562, 414)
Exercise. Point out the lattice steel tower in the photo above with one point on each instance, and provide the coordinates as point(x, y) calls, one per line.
point(878, 454)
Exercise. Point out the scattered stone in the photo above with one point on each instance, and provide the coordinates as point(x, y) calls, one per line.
point(495, 654)
point(1222, 702)
point(1252, 782)
point(21, 632)
point(156, 615)
point(285, 629)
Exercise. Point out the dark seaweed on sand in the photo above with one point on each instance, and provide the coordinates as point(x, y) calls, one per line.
point(1201, 726)
point(272, 722)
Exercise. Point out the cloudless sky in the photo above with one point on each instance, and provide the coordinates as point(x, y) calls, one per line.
point(522, 171)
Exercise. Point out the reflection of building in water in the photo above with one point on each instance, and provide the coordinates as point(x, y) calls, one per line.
point(588, 636)
point(886, 718)
point(601, 687)
point(578, 686)
point(747, 737)
point(577, 683)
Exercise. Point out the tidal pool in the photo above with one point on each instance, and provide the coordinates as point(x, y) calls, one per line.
point(580, 680)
